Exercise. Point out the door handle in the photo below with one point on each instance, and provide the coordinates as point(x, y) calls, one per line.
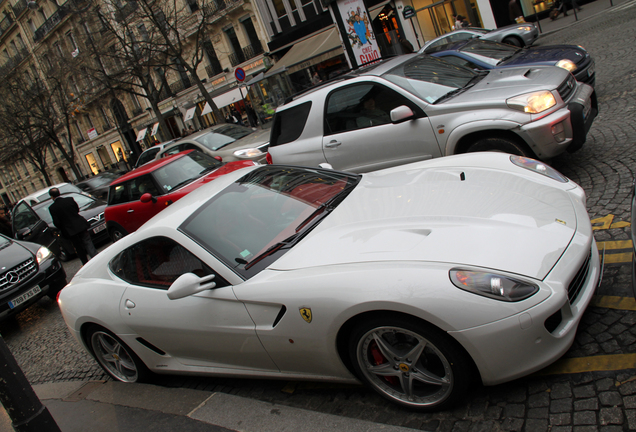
point(130, 211)
point(130, 304)
point(333, 143)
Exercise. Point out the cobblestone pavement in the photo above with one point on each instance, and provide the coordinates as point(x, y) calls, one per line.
point(581, 402)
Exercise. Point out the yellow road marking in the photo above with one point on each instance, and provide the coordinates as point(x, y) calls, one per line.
point(605, 222)
point(620, 244)
point(619, 258)
point(611, 362)
point(614, 302)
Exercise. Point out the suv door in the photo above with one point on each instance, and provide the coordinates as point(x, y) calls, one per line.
point(28, 226)
point(360, 137)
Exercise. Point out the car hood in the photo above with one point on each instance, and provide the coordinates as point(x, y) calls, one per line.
point(548, 54)
point(13, 255)
point(93, 210)
point(507, 82)
point(512, 28)
point(491, 219)
point(255, 139)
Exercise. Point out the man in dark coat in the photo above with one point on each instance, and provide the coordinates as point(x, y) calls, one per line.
point(5, 224)
point(65, 214)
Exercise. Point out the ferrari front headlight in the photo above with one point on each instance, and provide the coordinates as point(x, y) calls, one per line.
point(533, 103)
point(568, 65)
point(42, 254)
point(492, 285)
point(538, 167)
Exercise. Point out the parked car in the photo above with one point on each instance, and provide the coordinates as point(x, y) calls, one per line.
point(29, 272)
point(142, 193)
point(97, 186)
point(43, 194)
point(151, 154)
point(485, 55)
point(415, 279)
point(520, 35)
point(230, 142)
point(417, 107)
point(34, 223)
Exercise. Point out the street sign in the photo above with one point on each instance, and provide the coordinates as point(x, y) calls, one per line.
point(239, 73)
point(408, 12)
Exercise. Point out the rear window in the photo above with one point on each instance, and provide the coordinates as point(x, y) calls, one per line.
point(289, 124)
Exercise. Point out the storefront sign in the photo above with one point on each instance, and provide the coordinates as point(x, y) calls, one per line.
point(408, 12)
point(253, 65)
point(359, 31)
point(92, 133)
point(218, 81)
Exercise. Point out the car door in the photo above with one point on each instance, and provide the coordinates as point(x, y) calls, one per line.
point(360, 137)
point(126, 209)
point(28, 226)
point(208, 329)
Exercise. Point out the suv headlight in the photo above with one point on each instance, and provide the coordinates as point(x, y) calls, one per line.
point(533, 103)
point(538, 167)
point(568, 65)
point(492, 285)
point(43, 253)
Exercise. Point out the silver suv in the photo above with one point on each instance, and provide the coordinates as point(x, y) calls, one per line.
point(416, 107)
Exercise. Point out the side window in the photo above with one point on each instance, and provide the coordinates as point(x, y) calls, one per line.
point(289, 124)
point(142, 185)
point(23, 217)
point(159, 269)
point(173, 150)
point(361, 106)
point(119, 194)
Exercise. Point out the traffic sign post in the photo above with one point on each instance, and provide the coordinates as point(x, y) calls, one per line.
point(239, 73)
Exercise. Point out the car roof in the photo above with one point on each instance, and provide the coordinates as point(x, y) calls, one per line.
point(36, 194)
point(149, 167)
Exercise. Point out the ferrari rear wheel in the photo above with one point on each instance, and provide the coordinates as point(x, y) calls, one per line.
point(412, 364)
point(117, 359)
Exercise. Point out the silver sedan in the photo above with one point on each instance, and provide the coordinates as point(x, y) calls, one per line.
point(520, 35)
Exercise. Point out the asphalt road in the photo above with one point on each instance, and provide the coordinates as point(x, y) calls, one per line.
point(592, 389)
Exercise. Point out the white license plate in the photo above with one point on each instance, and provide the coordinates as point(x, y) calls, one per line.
point(99, 228)
point(24, 297)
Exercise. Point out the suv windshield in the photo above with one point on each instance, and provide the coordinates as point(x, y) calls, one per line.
point(430, 78)
point(265, 212)
point(42, 209)
point(214, 141)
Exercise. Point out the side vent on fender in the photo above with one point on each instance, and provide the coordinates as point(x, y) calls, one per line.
point(279, 316)
point(150, 346)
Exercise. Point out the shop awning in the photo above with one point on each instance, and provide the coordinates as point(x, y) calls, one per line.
point(189, 115)
point(142, 134)
point(230, 97)
point(256, 79)
point(155, 128)
point(206, 109)
point(311, 51)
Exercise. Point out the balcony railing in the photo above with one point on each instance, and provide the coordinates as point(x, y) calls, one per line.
point(5, 24)
point(252, 51)
point(216, 7)
point(179, 86)
point(212, 71)
point(13, 62)
point(137, 111)
point(19, 7)
point(50, 24)
point(236, 58)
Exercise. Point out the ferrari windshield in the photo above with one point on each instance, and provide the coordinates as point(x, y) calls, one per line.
point(265, 212)
point(430, 78)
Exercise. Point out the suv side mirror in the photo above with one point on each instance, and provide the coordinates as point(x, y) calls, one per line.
point(401, 114)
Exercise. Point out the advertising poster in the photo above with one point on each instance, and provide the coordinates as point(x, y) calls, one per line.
point(359, 31)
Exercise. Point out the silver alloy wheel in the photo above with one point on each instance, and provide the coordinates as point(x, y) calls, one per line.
point(405, 366)
point(117, 235)
point(113, 356)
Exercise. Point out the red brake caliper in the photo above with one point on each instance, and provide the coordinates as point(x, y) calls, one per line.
point(378, 359)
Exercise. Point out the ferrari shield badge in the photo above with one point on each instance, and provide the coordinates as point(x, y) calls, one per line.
point(306, 314)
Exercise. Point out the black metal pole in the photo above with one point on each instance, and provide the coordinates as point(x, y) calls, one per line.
point(18, 398)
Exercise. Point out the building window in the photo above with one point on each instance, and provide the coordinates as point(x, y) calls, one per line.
point(105, 118)
point(24, 168)
point(143, 32)
point(16, 173)
point(213, 60)
point(58, 49)
point(53, 155)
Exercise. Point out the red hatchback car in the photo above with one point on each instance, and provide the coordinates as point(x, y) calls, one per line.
point(142, 193)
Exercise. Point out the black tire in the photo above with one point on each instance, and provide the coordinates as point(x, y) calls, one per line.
point(511, 40)
point(116, 233)
point(115, 357)
point(503, 145)
point(56, 288)
point(64, 255)
point(435, 380)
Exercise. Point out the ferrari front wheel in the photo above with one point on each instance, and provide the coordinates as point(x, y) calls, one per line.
point(410, 363)
point(117, 359)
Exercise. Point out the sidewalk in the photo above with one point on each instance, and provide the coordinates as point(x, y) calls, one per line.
point(588, 10)
point(111, 406)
